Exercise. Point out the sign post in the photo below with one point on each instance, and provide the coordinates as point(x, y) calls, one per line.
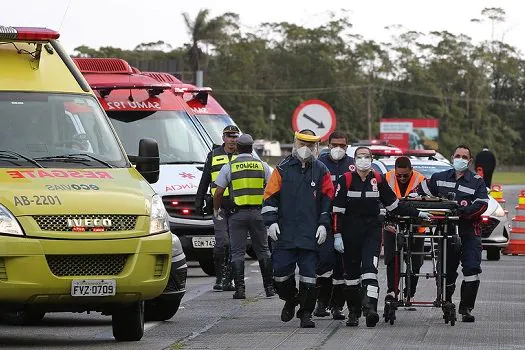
point(315, 115)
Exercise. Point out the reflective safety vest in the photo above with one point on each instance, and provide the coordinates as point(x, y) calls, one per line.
point(415, 180)
point(219, 158)
point(247, 182)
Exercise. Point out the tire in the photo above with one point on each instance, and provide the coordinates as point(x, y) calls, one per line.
point(208, 266)
point(128, 322)
point(26, 317)
point(161, 310)
point(493, 254)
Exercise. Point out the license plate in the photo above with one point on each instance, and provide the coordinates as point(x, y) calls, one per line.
point(203, 242)
point(93, 288)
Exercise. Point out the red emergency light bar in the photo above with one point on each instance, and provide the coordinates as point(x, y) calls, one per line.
point(153, 89)
point(200, 93)
point(420, 152)
point(162, 77)
point(386, 152)
point(103, 65)
point(27, 34)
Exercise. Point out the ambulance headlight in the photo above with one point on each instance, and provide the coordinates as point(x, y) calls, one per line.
point(159, 216)
point(8, 223)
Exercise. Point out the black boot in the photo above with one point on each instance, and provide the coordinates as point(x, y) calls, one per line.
point(267, 276)
point(324, 289)
point(469, 292)
point(370, 293)
point(337, 301)
point(353, 300)
point(218, 261)
point(307, 297)
point(238, 275)
point(227, 273)
point(287, 291)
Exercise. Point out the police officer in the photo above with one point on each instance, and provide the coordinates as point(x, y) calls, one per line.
point(403, 180)
point(487, 162)
point(297, 210)
point(247, 177)
point(358, 233)
point(469, 190)
point(216, 159)
point(330, 280)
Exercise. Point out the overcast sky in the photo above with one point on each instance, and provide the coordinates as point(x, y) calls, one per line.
point(126, 23)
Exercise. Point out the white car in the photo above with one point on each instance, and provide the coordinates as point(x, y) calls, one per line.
point(495, 228)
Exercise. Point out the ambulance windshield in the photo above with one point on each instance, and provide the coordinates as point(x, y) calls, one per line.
point(178, 138)
point(214, 124)
point(56, 130)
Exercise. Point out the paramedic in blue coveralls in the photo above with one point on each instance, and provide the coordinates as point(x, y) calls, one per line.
point(469, 190)
point(358, 233)
point(296, 210)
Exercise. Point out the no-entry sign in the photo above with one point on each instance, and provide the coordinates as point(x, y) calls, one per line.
point(315, 115)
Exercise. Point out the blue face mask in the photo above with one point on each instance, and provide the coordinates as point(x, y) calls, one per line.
point(460, 164)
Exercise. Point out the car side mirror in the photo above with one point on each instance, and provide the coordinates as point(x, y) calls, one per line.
point(148, 160)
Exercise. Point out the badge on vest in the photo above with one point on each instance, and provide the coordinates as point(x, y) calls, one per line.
point(373, 182)
point(351, 167)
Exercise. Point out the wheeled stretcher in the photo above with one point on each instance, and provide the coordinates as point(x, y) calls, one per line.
point(442, 234)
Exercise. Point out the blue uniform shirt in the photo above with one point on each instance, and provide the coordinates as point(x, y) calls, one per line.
point(337, 168)
point(469, 191)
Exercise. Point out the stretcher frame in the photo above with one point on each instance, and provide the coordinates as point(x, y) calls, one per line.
point(438, 231)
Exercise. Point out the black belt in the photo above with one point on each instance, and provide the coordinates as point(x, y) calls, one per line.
point(249, 207)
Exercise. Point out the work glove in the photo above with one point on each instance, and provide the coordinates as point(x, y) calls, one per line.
point(390, 228)
point(321, 234)
point(338, 243)
point(274, 231)
point(217, 213)
point(424, 215)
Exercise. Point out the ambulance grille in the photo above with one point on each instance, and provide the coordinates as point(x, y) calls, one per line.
point(86, 265)
point(60, 222)
point(183, 207)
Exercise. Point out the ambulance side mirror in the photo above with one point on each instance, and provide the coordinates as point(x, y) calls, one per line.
point(148, 161)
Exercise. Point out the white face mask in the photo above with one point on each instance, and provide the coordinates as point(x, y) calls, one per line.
point(363, 164)
point(337, 153)
point(460, 164)
point(304, 153)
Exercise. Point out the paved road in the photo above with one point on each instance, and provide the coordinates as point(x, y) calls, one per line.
point(212, 320)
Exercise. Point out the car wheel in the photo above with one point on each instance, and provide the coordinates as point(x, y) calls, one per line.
point(208, 266)
point(161, 310)
point(128, 322)
point(493, 254)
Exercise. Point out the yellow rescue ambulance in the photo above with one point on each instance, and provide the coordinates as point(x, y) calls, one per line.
point(80, 228)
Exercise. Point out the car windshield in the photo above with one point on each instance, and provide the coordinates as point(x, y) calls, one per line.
point(56, 130)
point(214, 124)
point(426, 169)
point(178, 138)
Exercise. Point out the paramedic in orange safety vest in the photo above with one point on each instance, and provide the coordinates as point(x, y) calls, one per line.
point(403, 180)
point(357, 228)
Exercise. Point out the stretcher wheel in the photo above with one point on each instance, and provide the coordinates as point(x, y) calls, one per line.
point(390, 312)
point(449, 313)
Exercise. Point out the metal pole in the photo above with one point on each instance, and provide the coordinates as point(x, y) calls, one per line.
point(199, 77)
point(369, 113)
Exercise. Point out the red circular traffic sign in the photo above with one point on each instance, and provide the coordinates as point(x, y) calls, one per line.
point(315, 115)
